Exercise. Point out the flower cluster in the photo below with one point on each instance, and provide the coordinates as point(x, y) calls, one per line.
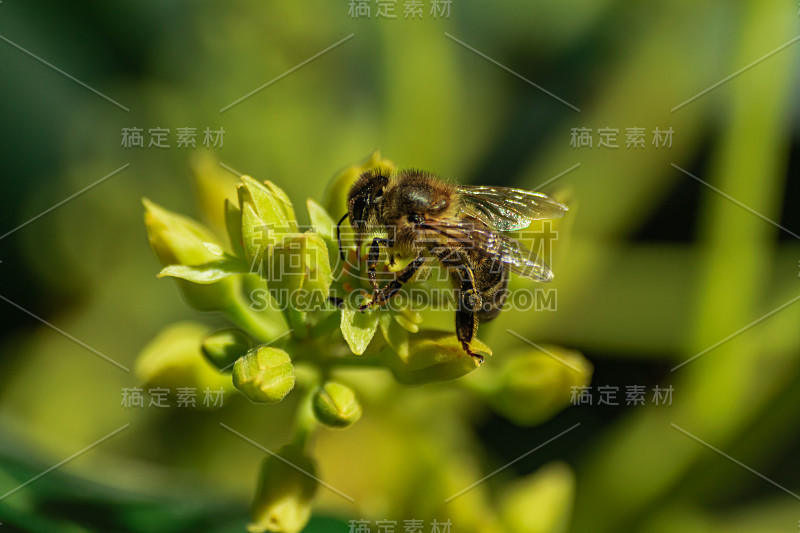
point(253, 250)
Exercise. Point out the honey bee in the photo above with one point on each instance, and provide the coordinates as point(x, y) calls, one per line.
point(463, 227)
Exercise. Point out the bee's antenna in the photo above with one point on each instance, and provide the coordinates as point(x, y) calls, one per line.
point(339, 234)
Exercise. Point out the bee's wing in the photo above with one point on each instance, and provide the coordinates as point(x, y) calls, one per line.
point(503, 248)
point(507, 208)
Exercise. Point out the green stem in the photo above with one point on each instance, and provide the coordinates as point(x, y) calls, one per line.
point(305, 422)
point(324, 362)
point(363, 361)
point(295, 320)
point(240, 312)
point(326, 325)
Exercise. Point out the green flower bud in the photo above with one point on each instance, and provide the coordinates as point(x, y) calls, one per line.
point(286, 488)
point(264, 374)
point(324, 226)
point(175, 239)
point(284, 204)
point(300, 272)
point(432, 356)
point(396, 327)
point(214, 186)
point(394, 333)
point(535, 385)
point(409, 319)
point(336, 405)
point(334, 199)
point(178, 240)
point(233, 226)
point(541, 502)
point(267, 216)
point(173, 360)
point(224, 347)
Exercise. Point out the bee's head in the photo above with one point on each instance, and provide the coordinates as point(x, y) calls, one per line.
point(365, 197)
point(364, 201)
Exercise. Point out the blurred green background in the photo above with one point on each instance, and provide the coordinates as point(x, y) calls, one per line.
point(659, 267)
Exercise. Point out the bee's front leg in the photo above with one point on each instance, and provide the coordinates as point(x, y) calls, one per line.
point(391, 288)
point(372, 260)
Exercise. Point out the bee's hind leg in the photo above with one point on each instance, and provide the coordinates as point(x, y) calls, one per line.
point(465, 330)
point(466, 320)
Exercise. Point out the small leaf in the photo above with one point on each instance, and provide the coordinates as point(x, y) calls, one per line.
point(215, 249)
point(206, 273)
point(321, 220)
point(358, 329)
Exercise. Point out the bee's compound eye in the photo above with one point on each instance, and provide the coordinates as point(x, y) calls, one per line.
point(359, 210)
